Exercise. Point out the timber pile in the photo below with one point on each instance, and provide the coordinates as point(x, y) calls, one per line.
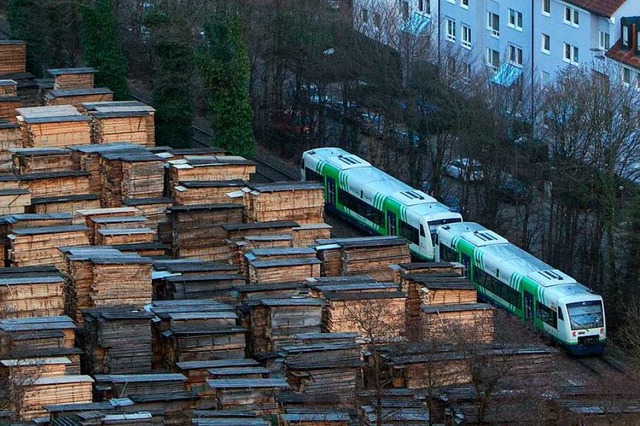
point(38, 160)
point(88, 158)
point(184, 268)
point(9, 101)
point(155, 210)
point(302, 202)
point(361, 283)
point(163, 309)
point(117, 340)
point(324, 368)
point(394, 415)
point(475, 321)
point(113, 222)
point(318, 418)
point(238, 231)
point(129, 175)
point(10, 138)
point(126, 236)
point(306, 235)
point(256, 395)
point(13, 56)
point(275, 322)
point(242, 237)
point(53, 126)
point(431, 268)
point(38, 246)
point(17, 221)
point(197, 230)
point(8, 89)
point(54, 390)
point(72, 78)
point(270, 291)
point(131, 121)
point(197, 372)
point(40, 338)
point(100, 277)
point(27, 293)
point(280, 270)
point(24, 370)
point(268, 254)
point(55, 184)
point(210, 151)
point(68, 203)
point(14, 201)
point(87, 217)
point(207, 192)
point(129, 385)
point(28, 88)
point(220, 287)
point(144, 249)
point(318, 407)
point(210, 168)
point(346, 311)
point(77, 97)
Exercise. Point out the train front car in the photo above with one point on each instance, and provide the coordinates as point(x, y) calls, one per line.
point(509, 277)
point(376, 201)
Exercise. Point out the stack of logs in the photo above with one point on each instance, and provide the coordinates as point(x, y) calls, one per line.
point(302, 202)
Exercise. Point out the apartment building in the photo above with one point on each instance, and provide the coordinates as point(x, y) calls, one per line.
point(511, 40)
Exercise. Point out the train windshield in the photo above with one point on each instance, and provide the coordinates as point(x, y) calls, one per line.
point(435, 224)
point(583, 315)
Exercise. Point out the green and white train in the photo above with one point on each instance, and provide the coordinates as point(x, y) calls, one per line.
point(504, 274)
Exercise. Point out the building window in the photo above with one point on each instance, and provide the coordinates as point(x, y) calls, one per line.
point(404, 9)
point(544, 78)
point(625, 36)
point(377, 20)
point(571, 54)
point(626, 75)
point(493, 59)
point(365, 15)
point(424, 6)
point(451, 65)
point(571, 16)
point(515, 55)
point(604, 41)
point(451, 30)
point(464, 3)
point(466, 71)
point(546, 44)
point(546, 7)
point(493, 24)
point(515, 19)
point(466, 36)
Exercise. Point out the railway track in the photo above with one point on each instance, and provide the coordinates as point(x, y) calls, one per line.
point(603, 365)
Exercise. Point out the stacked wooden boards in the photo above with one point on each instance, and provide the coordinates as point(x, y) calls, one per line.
point(302, 202)
point(72, 78)
point(31, 292)
point(53, 126)
point(130, 121)
point(13, 56)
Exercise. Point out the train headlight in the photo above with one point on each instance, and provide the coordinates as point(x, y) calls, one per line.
point(602, 332)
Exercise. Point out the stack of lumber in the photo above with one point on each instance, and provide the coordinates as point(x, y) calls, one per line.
point(195, 330)
point(165, 269)
point(256, 395)
point(88, 158)
point(270, 291)
point(14, 201)
point(9, 100)
point(275, 322)
point(302, 202)
point(210, 168)
point(198, 192)
point(269, 265)
point(87, 217)
point(364, 311)
point(10, 138)
point(394, 415)
point(366, 255)
point(13, 56)
point(40, 338)
point(474, 321)
point(128, 385)
point(318, 418)
point(155, 210)
point(197, 230)
point(55, 184)
point(67, 203)
point(131, 121)
point(319, 369)
point(27, 292)
point(317, 407)
point(99, 277)
point(72, 78)
point(54, 390)
point(28, 88)
point(24, 370)
point(432, 268)
point(77, 97)
point(125, 236)
point(217, 286)
point(237, 231)
point(183, 153)
point(197, 372)
point(117, 340)
point(319, 286)
point(242, 237)
point(130, 175)
point(53, 126)
point(41, 160)
point(39, 246)
point(306, 235)
point(100, 223)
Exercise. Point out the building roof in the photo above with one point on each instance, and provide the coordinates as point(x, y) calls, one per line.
point(624, 56)
point(604, 8)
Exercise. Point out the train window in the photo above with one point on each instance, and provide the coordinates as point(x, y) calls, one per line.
point(547, 315)
point(560, 316)
point(409, 232)
point(447, 254)
point(497, 287)
point(310, 175)
point(360, 207)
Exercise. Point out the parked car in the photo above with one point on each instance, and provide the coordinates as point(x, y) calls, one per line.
point(514, 191)
point(371, 123)
point(464, 169)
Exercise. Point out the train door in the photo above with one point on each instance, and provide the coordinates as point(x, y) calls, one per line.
point(391, 223)
point(331, 191)
point(528, 307)
point(466, 261)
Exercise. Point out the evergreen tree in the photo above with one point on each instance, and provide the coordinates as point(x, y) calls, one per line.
point(172, 48)
point(224, 64)
point(102, 49)
point(28, 20)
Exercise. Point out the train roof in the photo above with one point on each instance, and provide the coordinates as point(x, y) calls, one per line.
point(359, 172)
